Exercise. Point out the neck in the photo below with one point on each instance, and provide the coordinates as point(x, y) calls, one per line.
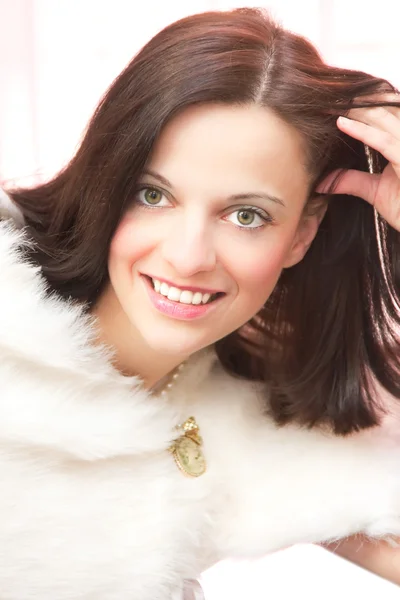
point(133, 357)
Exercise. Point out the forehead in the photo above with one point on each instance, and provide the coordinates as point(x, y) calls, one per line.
point(226, 146)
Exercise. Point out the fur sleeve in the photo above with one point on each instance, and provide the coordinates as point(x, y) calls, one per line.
point(59, 388)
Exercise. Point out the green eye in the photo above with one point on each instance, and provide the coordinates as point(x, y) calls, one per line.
point(152, 196)
point(249, 217)
point(245, 217)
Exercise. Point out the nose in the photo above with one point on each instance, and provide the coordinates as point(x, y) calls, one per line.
point(189, 247)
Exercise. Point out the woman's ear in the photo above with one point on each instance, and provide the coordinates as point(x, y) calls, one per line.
point(307, 229)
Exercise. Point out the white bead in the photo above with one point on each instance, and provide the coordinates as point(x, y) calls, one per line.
point(173, 378)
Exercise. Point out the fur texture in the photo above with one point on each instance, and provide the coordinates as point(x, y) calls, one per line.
point(92, 504)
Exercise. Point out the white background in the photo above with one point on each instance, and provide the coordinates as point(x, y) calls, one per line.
point(57, 57)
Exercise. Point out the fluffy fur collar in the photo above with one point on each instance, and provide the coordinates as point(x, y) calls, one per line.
point(93, 505)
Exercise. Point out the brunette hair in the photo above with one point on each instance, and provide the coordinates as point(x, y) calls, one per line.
point(329, 328)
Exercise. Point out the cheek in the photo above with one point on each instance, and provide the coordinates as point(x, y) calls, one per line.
point(130, 243)
point(259, 280)
point(258, 271)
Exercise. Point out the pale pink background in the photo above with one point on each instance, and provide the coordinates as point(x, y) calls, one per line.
point(56, 59)
point(58, 56)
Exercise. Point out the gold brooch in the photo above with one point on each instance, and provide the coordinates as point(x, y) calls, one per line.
point(187, 450)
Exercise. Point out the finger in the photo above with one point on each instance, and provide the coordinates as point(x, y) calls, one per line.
point(380, 117)
point(327, 185)
point(382, 98)
point(351, 182)
point(382, 141)
point(369, 101)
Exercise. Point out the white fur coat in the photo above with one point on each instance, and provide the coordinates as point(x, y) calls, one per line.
point(92, 505)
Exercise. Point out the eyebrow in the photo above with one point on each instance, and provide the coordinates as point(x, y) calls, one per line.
point(247, 196)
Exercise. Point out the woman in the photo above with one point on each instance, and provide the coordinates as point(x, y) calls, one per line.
point(198, 341)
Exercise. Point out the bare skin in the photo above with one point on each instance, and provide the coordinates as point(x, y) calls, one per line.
point(376, 556)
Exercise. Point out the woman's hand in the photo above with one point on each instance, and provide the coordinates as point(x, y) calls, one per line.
point(376, 556)
point(378, 128)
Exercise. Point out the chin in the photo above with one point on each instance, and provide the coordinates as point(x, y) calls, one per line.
point(174, 343)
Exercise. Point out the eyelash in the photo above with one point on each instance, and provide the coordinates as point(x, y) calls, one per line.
point(266, 218)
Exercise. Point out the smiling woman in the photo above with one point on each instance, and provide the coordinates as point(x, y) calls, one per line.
point(193, 231)
point(188, 298)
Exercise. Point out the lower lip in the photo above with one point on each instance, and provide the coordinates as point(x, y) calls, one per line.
point(177, 310)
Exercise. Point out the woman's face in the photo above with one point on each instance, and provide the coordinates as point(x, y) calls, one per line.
point(217, 216)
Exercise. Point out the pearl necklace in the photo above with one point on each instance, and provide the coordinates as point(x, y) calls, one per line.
point(166, 388)
point(186, 449)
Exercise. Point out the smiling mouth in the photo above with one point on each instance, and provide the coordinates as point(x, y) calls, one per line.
point(181, 295)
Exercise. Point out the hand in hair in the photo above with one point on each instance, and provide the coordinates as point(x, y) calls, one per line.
point(379, 128)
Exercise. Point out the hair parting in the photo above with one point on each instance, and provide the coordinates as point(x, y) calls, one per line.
point(329, 331)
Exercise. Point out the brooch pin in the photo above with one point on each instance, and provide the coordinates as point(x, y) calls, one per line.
point(187, 449)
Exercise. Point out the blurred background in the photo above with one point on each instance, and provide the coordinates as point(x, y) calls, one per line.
point(57, 57)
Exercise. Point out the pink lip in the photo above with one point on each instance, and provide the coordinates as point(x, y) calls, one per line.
point(183, 312)
point(184, 287)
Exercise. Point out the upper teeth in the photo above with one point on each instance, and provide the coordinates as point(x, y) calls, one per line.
point(184, 296)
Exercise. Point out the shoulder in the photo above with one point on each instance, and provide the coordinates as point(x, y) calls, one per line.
point(13, 242)
point(34, 322)
point(9, 210)
point(22, 287)
point(225, 397)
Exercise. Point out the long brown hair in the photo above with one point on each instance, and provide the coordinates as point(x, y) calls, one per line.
point(329, 327)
